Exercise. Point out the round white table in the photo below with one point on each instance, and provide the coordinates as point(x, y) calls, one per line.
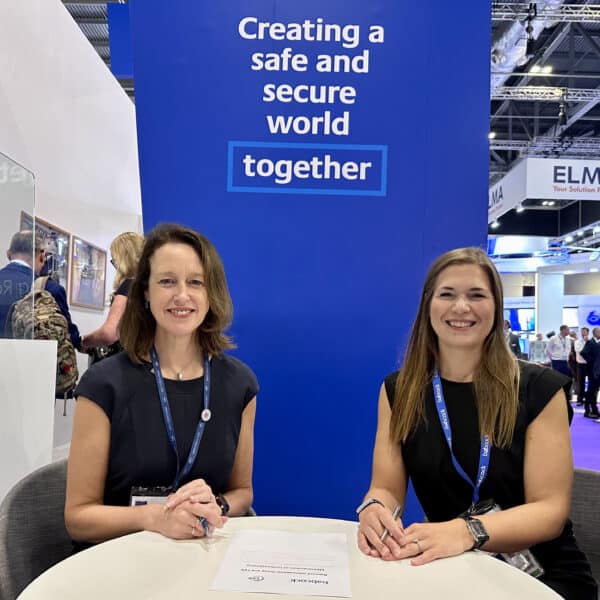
point(150, 566)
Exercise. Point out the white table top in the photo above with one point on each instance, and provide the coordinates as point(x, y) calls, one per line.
point(150, 566)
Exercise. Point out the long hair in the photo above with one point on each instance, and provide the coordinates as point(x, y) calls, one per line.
point(125, 250)
point(496, 380)
point(138, 326)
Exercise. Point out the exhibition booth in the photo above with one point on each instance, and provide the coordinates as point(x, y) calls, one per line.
point(298, 138)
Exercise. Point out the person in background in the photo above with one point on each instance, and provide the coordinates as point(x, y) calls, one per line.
point(537, 350)
point(591, 354)
point(512, 339)
point(558, 349)
point(17, 276)
point(59, 294)
point(471, 426)
point(581, 366)
point(125, 252)
point(172, 414)
point(27, 256)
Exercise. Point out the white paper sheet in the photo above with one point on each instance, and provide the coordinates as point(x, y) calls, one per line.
point(281, 562)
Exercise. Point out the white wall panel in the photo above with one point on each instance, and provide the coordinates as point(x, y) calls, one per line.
point(27, 408)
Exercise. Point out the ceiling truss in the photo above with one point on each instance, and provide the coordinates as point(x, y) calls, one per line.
point(567, 13)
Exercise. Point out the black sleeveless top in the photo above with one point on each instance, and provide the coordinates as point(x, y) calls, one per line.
point(444, 494)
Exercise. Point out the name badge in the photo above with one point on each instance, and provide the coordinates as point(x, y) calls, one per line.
point(140, 496)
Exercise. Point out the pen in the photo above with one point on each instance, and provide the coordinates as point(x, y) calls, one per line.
point(395, 515)
point(205, 526)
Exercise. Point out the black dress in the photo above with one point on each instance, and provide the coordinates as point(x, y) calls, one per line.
point(140, 454)
point(444, 494)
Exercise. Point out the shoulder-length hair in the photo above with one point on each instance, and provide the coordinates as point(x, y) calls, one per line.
point(125, 250)
point(496, 380)
point(138, 326)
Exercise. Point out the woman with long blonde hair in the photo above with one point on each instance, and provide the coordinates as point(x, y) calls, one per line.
point(483, 437)
point(125, 251)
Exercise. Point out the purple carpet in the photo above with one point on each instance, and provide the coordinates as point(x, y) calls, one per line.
point(585, 438)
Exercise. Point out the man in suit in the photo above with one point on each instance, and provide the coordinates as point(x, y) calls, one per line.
point(27, 256)
point(591, 354)
point(512, 340)
point(17, 276)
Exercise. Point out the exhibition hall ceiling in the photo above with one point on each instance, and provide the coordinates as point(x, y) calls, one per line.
point(545, 94)
point(545, 102)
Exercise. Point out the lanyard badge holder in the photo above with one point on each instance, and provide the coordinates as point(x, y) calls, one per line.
point(166, 411)
point(524, 560)
point(141, 496)
point(158, 495)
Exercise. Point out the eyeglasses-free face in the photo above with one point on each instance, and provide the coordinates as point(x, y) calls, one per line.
point(176, 291)
point(462, 308)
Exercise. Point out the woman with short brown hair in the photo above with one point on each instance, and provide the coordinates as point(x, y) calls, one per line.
point(163, 432)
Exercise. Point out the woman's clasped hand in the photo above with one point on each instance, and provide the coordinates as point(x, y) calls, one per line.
point(190, 512)
point(422, 542)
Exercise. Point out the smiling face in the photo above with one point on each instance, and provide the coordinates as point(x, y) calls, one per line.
point(462, 308)
point(176, 291)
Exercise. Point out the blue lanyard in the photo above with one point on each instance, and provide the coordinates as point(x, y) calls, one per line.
point(166, 411)
point(484, 452)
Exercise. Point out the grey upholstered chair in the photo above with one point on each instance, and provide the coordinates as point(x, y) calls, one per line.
point(32, 528)
point(585, 514)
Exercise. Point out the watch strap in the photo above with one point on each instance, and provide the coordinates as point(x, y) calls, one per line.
point(368, 502)
point(477, 530)
point(223, 504)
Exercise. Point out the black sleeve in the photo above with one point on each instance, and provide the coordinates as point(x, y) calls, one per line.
point(587, 351)
point(249, 382)
point(539, 385)
point(390, 386)
point(123, 289)
point(97, 385)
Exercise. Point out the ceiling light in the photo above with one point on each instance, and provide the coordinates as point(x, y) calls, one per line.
point(551, 203)
point(562, 112)
point(569, 239)
point(580, 233)
point(547, 69)
point(545, 203)
point(495, 224)
point(491, 135)
point(520, 208)
point(535, 69)
point(594, 270)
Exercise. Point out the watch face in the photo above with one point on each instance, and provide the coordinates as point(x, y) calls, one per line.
point(478, 531)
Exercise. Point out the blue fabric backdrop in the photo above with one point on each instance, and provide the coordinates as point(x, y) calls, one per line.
point(325, 284)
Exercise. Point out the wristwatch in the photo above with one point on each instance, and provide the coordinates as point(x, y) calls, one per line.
point(477, 530)
point(366, 503)
point(223, 504)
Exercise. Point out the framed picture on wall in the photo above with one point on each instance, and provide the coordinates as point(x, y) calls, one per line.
point(56, 242)
point(88, 274)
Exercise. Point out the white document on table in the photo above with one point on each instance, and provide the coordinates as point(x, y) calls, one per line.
point(282, 562)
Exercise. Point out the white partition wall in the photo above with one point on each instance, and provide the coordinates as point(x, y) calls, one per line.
point(549, 300)
point(65, 117)
point(26, 408)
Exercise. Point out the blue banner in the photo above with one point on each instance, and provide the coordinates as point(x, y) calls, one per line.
point(330, 150)
point(119, 37)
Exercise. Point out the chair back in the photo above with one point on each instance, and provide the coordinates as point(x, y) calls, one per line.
point(585, 514)
point(33, 536)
